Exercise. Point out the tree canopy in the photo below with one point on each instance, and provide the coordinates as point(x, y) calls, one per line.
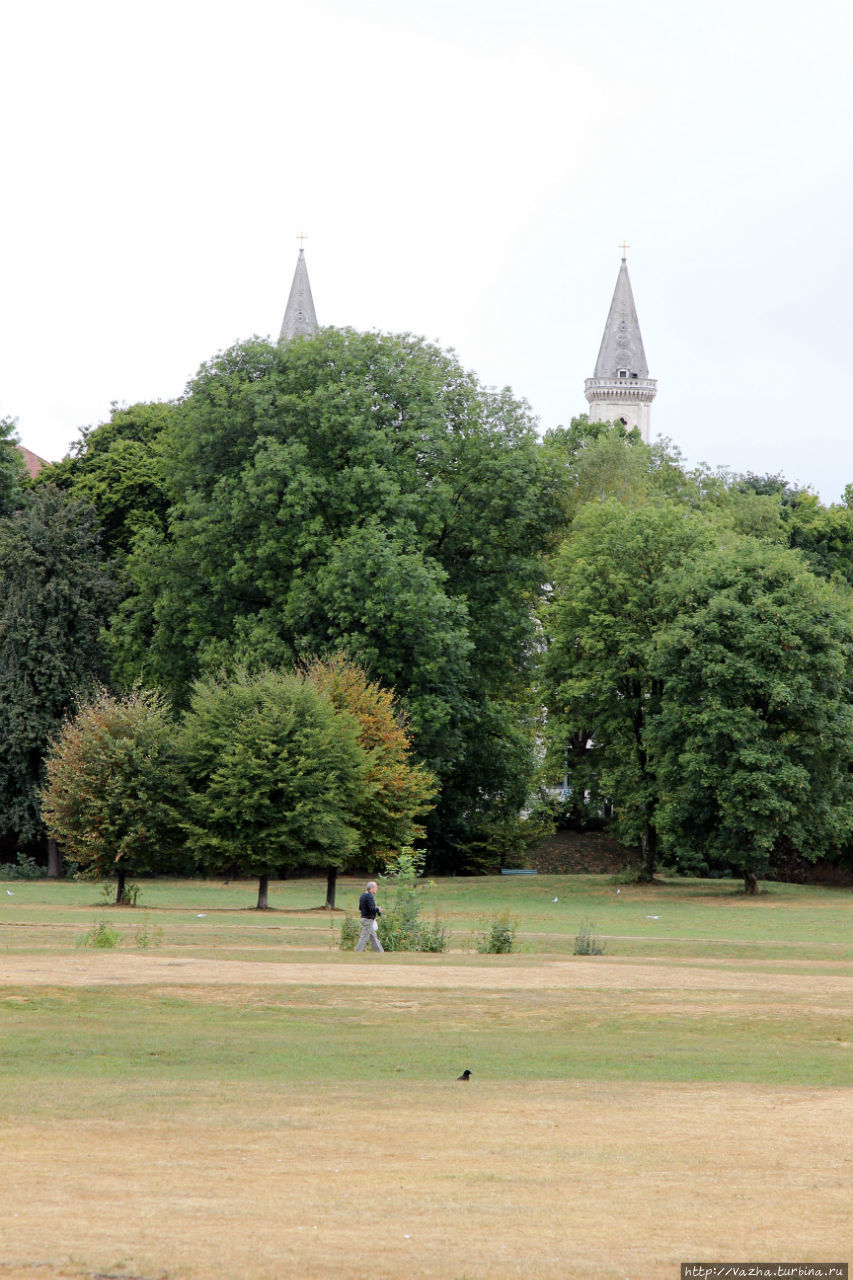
point(275, 776)
point(114, 787)
point(601, 685)
point(116, 467)
point(754, 736)
point(358, 493)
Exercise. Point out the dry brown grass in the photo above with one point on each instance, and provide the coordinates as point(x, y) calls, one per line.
point(487, 1181)
point(552, 1180)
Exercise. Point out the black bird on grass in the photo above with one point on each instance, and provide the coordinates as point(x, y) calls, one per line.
point(466, 1075)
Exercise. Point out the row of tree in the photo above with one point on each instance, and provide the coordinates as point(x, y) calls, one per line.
point(673, 642)
point(263, 774)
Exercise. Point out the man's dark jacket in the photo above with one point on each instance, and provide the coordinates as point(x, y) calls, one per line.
point(367, 907)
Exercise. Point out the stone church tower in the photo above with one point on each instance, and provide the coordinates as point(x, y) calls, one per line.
point(300, 318)
point(621, 387)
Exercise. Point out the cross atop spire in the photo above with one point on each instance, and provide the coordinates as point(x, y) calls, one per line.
point(300, 318)
point(624, 247)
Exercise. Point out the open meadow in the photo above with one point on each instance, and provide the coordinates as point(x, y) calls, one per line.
point(226, 1095)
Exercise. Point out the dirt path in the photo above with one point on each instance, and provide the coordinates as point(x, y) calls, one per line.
point(600, 973)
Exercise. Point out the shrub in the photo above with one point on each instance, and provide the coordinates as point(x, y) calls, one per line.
point(25, 868)
point(350, 931)
point(100, 935)
point(498, 940)
point(432, 936)
point(629, 874)
point(400, 926)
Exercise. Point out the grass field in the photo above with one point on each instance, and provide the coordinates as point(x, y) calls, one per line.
point(227, 1094)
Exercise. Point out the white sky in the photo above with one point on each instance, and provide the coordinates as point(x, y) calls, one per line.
point(465, 170)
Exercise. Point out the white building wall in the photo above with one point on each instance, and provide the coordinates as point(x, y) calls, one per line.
point(636, 414)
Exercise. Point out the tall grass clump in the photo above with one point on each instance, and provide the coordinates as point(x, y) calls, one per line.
point(586, 943)
point(499, 937)
point(148, 935)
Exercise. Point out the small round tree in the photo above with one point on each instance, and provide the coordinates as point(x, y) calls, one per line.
point(275, 776)
point(114, 787)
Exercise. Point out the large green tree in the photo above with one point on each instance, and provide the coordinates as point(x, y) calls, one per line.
point(275, 776)
point(358, 492)
point(753, 739)
point(602, 689)
point(55, 596)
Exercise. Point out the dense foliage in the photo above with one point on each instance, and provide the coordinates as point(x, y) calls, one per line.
point(358, 493)
point(11, 467)
point(55, 594)
point(458, 599)
point(116, 467)
point(697, 672)
point(754, 740)
point(602, 687)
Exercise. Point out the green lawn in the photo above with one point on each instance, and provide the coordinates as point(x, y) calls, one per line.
point(676, 918)
point(651, 1023)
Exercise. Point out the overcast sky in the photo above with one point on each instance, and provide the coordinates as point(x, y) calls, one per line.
point(463, 169)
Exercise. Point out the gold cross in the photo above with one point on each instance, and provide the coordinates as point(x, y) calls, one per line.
point(301, 238)
point(624, 247)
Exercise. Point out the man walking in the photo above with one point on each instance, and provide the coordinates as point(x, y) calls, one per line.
point(369, 913)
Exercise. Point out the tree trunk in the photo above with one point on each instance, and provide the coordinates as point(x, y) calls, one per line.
point(750, 883)
point(331, 885)
point(649, 848)
point(263, 893)
point(119, 887)
point(54, 861)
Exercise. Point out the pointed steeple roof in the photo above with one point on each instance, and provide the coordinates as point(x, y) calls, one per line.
point(300, 318)
point(622, 344)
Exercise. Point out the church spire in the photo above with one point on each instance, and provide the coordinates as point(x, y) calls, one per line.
point(300, 318)
point(621, 387)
